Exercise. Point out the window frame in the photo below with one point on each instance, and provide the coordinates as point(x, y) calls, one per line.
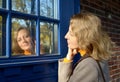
point(9, 60)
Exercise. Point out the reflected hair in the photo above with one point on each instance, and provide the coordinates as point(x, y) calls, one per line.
point(88, 29)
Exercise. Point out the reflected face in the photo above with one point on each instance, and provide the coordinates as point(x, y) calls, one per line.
point(24, 40)
point(71, 39)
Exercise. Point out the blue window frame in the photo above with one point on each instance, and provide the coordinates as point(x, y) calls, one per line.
point(47, 21)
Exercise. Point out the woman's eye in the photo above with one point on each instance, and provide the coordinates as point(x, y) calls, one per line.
point(26, 36)
point(19, 40)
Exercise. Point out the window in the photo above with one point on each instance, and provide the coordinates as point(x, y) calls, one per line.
point(48, 38)
point(23, 37)
point(40, 21)
point(24, 6)
point(0, 35)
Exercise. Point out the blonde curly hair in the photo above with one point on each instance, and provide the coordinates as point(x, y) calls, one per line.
point(88, 29)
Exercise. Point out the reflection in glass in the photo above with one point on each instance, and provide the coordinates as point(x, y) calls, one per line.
point(25, 6)
point(23, 37)
point(48, 38)
point(48, 8)
point(0, 35)
point(2, 3)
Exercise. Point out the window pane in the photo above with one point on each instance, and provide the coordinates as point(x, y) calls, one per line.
point(25, 6)
point(23, 37)
point(49, 8)
point(0, 35)
point(2, 3)
point(48, 38)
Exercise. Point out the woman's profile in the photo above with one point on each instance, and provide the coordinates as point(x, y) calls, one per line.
point(85, 36)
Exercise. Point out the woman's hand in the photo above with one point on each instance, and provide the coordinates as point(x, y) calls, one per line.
point(71, 53)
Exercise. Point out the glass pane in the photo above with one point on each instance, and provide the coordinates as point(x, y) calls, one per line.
point(48, 38)
point(23, 37)
point(2, 3)
point(25, 6)
point(49, 8)
point(0, 35)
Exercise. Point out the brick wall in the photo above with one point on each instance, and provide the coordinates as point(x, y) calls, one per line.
point(109, 12)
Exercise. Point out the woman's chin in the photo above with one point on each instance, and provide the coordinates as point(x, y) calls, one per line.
point(26, 49)
point(72, 47)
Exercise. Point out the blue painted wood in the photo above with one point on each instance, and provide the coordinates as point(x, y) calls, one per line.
point(31, 73)
point(67, 9)
point(12, 71)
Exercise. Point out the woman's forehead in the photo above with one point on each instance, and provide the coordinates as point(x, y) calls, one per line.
point(23, 31)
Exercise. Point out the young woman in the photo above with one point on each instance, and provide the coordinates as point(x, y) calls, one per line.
point(85, 36)
point(23, 42)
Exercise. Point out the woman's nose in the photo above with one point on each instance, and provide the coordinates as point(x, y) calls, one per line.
point(66, 36)
point(23, 39)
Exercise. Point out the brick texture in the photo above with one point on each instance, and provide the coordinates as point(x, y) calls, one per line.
point(109, 12)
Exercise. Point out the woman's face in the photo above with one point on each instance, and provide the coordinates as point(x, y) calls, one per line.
point(71, 39)
point(24, 40)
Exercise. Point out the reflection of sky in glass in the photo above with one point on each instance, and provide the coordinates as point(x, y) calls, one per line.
point(55, 38)
point(47, 8)
point(16, 23)
point(20, 21)
point(23, 5)
point(48, 37)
